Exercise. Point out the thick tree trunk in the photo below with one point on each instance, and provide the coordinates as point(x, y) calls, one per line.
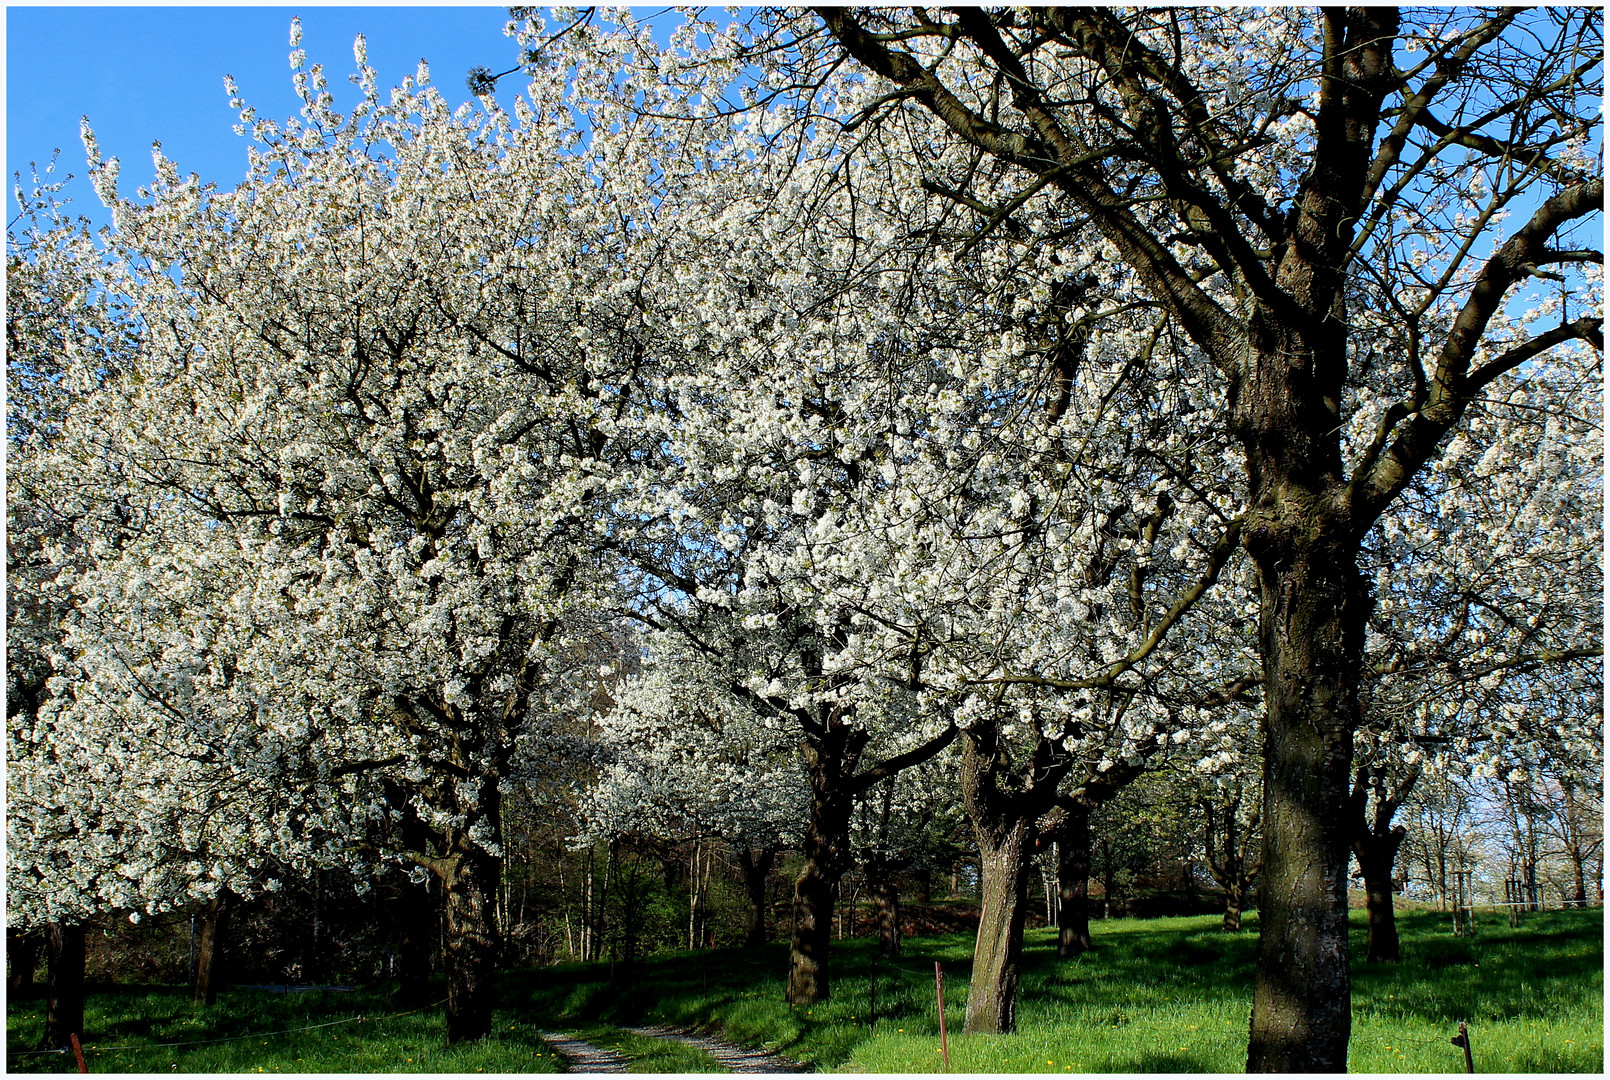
point(416, 918)
point(1376, 854)
point(998, 954)
point(1313, 610)
point(923, 878)
point(472, 942)
point(826, 841)
point(210, 938)
point(813, 931)
point(64, 1004)
point(22, 958)
point(757, 869)
point(1073, 884)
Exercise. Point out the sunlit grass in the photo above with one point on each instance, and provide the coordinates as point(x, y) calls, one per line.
point(1162, 995)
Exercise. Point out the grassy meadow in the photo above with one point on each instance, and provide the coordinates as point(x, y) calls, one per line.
point(1157, 995)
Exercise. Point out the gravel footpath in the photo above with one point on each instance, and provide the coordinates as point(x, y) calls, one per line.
point(738, 1059)
point(585, 1057)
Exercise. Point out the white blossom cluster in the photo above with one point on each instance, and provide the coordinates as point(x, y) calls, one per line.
point(341, 477)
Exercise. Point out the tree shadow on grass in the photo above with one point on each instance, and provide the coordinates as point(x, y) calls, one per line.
point(1161, 1063)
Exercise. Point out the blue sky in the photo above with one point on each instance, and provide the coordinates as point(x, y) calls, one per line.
point(156, 73)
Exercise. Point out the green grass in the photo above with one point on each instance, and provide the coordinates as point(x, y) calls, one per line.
point(141, 1017)
point(1159, 995)
point(1162, 995)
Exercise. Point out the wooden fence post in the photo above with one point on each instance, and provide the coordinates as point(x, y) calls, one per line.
point(1462, 1040)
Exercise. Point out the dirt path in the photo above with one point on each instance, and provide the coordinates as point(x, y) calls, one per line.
point(585, 1057)
point(735, 1058)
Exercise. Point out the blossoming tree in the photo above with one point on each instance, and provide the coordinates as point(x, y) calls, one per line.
point(1308, 196)
point(372, 410)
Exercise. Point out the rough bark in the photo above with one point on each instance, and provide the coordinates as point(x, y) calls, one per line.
point(1073, 884)
point(808, 975)
point(22, 959)
point(757, 868)
point(64, 993)
point(1314, 605)
point(998, 954)
point(212, 933)
point(472, 941)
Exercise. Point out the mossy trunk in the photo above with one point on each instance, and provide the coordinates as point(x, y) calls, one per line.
point(64, 993)
point(1073, 884)
point(808, 976)
point(212, 932)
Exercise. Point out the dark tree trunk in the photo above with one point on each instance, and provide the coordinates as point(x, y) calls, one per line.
point(1003, 868)
point(416, 918)
point(813, 931)
point(1073, 884)
point(757, 869)
point(886, 899)
point(1234, 900)
point(1313, 609)
point(472, 942)
point(1376, 853)
point(212, 934)
point(22, 959)
point(826, 841)
point(64, 1002)
point(923, 878)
